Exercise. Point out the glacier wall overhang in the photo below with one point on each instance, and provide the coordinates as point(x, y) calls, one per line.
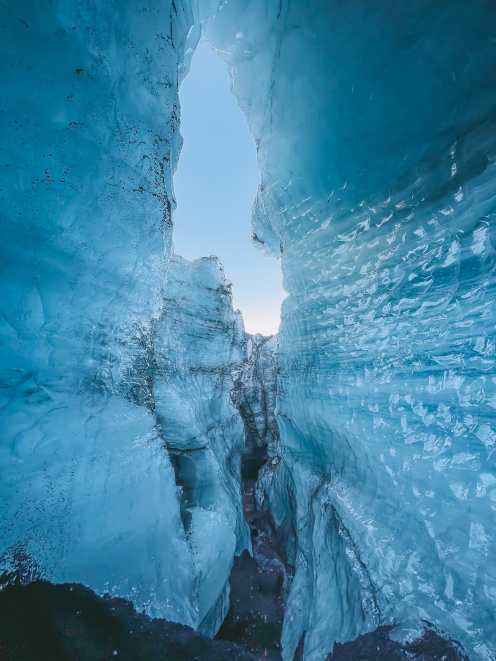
point(375, 128)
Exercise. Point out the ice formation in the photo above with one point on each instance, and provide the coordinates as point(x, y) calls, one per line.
point(255, 391)
point(89, 140)
point(199, 345)
point(93, 482)
point(375, 133)
point(375, 127)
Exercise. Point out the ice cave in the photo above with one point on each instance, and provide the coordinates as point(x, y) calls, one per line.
point(174, 487)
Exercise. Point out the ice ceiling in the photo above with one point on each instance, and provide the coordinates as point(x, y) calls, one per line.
point(375, 130)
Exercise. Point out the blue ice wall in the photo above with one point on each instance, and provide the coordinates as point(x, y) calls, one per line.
point(199, 347)
point(88, 489)
point(89, 138)
point(375, 127)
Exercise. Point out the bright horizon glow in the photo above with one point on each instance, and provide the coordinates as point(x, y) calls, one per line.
point(215, 185)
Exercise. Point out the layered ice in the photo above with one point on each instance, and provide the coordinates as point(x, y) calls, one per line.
point(95, 418)
point(375, 128)
point(89, 139)
point(255, 392)
point(199, 346)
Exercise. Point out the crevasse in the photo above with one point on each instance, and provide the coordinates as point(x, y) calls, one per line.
point(120, 363)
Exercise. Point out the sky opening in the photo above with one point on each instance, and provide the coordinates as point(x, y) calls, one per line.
point(215, 184)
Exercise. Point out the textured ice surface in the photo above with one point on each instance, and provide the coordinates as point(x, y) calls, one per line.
point(89, 136)
point(200, 343)
point(89, 119)
point(255, 392)
point(375, 128)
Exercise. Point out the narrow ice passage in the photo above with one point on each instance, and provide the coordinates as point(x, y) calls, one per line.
point(133, 401)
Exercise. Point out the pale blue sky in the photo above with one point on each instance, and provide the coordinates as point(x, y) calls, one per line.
point(215, 184)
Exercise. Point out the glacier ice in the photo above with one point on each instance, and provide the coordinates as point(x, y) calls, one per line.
point(255, 392)
point(93, 487)
point(123, 366)
point(89, 140)
point(375, 127)
point(199, 345)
